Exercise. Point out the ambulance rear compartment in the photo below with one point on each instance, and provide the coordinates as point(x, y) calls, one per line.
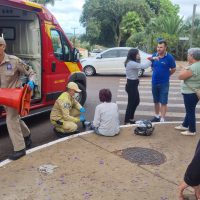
point(21, 30)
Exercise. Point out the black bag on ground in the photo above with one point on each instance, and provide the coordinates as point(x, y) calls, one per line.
point(144, 128)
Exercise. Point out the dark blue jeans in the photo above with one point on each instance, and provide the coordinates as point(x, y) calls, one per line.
point(190, 101)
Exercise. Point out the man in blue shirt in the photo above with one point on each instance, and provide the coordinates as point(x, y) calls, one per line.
point(163, 66)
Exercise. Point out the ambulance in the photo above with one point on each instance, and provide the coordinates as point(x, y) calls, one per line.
point(33, 34)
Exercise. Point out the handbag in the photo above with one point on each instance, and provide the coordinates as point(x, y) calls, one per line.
point(197, 91)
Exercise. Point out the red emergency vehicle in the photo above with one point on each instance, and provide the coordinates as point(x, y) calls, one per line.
point(33, 34)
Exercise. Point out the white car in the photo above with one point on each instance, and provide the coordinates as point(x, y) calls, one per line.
point(110, 61)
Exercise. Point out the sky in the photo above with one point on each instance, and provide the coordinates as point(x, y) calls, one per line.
point(68, 12)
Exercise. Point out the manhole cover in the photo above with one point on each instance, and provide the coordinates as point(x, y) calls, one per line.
point(143, 156)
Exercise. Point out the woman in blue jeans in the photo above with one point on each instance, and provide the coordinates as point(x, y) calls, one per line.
point(191, 81)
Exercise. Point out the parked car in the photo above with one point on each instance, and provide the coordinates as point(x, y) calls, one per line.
point(94, 52)
point(110, 61)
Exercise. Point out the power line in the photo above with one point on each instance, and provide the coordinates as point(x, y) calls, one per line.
point(74, 39)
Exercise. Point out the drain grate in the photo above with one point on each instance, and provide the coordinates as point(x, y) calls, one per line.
point(143, 156)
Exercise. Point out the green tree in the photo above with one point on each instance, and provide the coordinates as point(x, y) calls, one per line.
point(138, 40)
point(93, 31)
point(168, 9)
point(109, 14)
point(154, 6)
point(44, 2)
point(196, 31)
point(168, 24)
point(130, 25)
point(164, 26)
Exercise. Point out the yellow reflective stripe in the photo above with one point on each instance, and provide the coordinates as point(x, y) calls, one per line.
point(60, 81)
point(72, 66)
point(32, 4)
point(64, 97)
point(48, 27)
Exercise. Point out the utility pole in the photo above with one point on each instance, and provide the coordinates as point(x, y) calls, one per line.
point(74, 39)
point(192, 28)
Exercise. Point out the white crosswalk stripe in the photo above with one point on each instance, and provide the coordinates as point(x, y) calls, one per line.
point(152, 104)
point(149, 87)
point(176, 107)
point(151, 113)
point(143, 80)
point(149, 92)
point(146, 96)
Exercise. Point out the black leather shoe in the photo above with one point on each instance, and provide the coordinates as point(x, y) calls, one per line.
point(155, 119)
point(131, 121)
point(86, 124)
point(17, 154)
point(28, 142)
point(61, 135)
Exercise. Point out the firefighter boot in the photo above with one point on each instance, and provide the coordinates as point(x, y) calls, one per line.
point(28, 141)
point(17, 154)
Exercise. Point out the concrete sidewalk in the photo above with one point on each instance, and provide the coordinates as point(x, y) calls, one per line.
point(92, 167)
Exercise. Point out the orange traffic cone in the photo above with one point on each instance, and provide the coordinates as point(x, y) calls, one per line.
point(18, 98)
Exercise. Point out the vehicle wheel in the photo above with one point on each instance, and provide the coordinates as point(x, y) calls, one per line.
point(89, 70)
point(81, 97)
point(141, 72)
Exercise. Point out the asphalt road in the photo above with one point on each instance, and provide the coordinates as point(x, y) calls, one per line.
point(42, 131)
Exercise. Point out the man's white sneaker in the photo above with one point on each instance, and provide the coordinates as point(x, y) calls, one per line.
point(181, 128)
point(188, 133)
point(162, 119)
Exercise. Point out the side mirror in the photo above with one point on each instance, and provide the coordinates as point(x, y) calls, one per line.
point(75, 55)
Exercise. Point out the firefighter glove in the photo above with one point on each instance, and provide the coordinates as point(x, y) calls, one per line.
point(82, 118)
point(82, 110)
point(31, 85)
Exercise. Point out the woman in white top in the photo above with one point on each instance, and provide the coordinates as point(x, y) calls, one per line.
point(106, 117)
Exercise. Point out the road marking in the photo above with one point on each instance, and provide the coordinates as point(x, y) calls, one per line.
point(152, 104)
point(149, 83)
point(146, 94)
point(149, 87)
point(150, 97)
point(149, 92)
point(143, 80)
point(151, 113)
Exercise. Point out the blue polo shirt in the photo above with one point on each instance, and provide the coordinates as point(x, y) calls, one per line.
point(161, 68)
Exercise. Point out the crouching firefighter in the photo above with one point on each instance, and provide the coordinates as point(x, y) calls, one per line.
point(66, 112)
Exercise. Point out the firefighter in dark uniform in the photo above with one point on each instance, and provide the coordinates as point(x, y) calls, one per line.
point(66, 112)
point(11, 69)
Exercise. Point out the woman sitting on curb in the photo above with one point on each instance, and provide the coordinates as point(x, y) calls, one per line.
point(106, 117)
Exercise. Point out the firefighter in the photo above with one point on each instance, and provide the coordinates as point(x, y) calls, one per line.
point(11, 69)
point(66, 112)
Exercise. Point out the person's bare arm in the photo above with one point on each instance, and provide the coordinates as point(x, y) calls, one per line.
point(172, 70)
point(185, 74)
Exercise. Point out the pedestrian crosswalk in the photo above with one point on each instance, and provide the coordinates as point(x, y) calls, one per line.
point(176, 109)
